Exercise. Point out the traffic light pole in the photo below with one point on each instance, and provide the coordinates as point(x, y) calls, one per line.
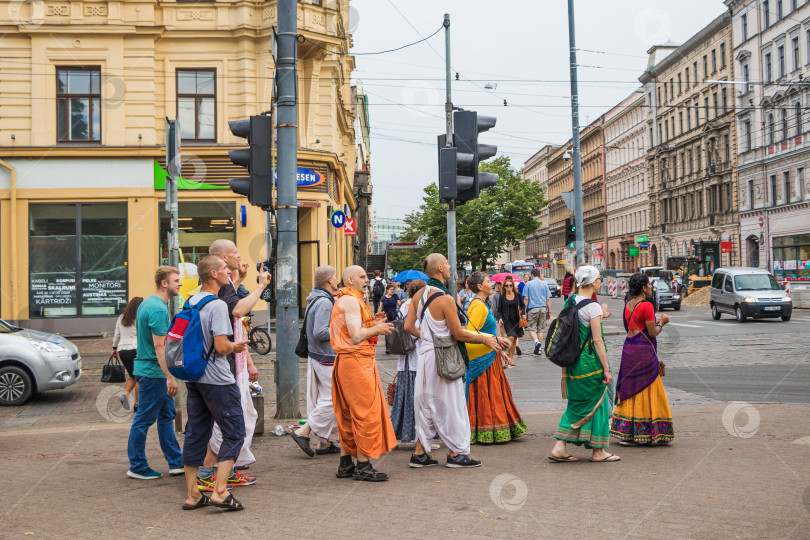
point(286, 277)
point(578, 222)
point(451, 204)
point(173, 169)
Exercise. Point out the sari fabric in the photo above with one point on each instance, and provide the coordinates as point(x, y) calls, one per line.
point(639, 367)
point(494, 418)
point(586, 420)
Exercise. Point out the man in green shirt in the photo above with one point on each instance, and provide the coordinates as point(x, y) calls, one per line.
point(156, 386)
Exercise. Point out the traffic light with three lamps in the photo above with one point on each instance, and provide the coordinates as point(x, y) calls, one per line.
point(459, 177)
point(258, 187)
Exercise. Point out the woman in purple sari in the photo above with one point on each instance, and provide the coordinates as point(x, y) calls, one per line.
point(642, 414)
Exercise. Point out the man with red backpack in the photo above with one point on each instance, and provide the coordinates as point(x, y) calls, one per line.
point(568, 282)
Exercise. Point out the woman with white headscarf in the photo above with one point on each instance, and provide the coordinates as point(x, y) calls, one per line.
point(587, 384)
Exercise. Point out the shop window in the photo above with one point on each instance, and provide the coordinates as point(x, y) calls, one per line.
point(196, 104)
point(791, 256)
point(78, 104)
point(200, 223)
point(77, 259)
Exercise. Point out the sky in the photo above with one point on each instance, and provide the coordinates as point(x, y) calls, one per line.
point(520, 49)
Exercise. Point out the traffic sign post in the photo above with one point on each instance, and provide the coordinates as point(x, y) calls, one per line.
point(350, 229)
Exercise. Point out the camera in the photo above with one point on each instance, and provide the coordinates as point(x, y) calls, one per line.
point(269, 265)
point(567, 156)
point(268, 294)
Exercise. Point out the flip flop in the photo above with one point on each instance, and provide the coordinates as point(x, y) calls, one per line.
point(303, 443)
point(204, 501)
point(566, 459)
point(230, 503)
point(607, 459)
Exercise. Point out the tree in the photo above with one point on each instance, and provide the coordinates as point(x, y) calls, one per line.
point(502, 216)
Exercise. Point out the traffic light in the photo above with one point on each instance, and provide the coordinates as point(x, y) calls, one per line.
point(258, 187)
point(459, 178)
point(570, 232)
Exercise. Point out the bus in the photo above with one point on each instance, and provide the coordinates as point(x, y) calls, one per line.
point(518, 267)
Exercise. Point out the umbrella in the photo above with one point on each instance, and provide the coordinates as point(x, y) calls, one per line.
point(498, 278)
point(410, 275)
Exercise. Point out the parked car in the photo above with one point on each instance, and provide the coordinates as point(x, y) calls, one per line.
point(32, 361)
point(553, 287)
point(667, 298)
point(748, 292)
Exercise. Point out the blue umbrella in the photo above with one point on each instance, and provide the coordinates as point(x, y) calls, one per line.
point(410, 275)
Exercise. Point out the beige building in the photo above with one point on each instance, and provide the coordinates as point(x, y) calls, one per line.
point(535, 248)
point(692, 161)
point(628, 202)
point(84, 90)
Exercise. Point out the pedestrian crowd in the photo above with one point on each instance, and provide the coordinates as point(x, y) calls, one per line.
point(450, 385)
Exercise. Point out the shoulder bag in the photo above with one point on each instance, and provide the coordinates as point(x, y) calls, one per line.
point(400, 341)
point(302, 347)
point(450, 364)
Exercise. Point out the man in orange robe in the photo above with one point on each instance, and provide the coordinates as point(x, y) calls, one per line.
point(363, 422)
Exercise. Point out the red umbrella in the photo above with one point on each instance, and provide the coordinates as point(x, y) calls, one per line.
point(498, 278)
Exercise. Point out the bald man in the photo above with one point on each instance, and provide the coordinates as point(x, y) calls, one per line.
point(440, 406)
point(361, 411)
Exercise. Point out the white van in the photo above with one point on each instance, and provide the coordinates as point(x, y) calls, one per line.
point(748, 292)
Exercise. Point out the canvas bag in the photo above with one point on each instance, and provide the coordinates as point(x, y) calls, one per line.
point(450, 364)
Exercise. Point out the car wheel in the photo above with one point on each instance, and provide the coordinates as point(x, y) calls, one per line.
point(715, 313)
point(786, 318)
point(739, 313)
point(677, 308)
point(16, 386)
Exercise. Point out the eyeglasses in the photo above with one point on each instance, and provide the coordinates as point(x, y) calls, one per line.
point(508, 286)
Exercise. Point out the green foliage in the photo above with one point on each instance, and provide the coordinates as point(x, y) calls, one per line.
point(502, 216)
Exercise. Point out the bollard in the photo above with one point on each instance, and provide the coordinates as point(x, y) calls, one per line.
point(258, 403)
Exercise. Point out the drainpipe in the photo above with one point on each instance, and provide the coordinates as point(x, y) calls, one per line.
point(15, 297)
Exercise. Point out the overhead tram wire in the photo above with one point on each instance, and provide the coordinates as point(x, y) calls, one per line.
point(303, 39)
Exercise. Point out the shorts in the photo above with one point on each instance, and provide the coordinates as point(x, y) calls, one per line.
point(127, 357)
point(205, 404)
point(537, 319)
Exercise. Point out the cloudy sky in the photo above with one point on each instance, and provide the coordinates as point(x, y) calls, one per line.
point(519, 47)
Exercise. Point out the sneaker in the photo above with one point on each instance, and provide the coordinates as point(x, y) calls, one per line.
point(146, 474)
point(518, 351)
point(537, 347)
point(177, 471)
point(238, 478)
point(422, 461)
point(124, 402)
point(462, 460)
point(207, 483)
point(135, 408)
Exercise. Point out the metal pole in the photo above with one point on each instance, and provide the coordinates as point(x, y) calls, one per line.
point(287, 215)
point(448, 122)
point(173, 168)
point(268, 217)
point(578, 222)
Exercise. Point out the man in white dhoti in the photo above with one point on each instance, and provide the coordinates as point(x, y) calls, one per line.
point(440, 405)
point(320, 411)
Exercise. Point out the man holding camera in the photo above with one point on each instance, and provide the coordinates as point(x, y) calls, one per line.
point(241, 364)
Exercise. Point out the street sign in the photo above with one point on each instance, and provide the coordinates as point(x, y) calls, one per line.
point(726, 247)
point(422, 240)
point(598, 245)
point(642, 238)
point(644, 245)
point(632, 251)
point(338, 219)
point(644, 251)
point(350, 229)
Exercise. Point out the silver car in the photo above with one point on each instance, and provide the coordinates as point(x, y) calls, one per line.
point(32, 361)
point(748, 292)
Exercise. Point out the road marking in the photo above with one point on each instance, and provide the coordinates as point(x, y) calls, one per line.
point(685, 325)
point(802, 440)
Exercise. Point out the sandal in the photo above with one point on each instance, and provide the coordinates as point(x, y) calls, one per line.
point(331, 449)
point(230, 504)
point(369, 474)
point(607, 459)
point(204, 501)
point(566, 459)
point(303, 443)
point(346, 472)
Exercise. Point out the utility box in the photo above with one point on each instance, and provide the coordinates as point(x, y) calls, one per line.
point(258, 403)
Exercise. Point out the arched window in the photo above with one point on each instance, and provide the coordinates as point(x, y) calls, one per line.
point(798, 109)
point(783, 118)
point(770, 128)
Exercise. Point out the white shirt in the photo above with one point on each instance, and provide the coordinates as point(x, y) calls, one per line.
point(588, 312)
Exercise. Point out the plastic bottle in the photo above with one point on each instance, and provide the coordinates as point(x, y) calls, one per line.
point(279, 430)
point(302, 421)
point(256, 387)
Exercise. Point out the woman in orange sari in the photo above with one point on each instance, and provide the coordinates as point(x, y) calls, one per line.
point(494, 418)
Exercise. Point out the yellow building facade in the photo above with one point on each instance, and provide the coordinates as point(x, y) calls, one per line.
point(85, 88)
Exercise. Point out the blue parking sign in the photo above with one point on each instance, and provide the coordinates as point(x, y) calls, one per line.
point(338, 219)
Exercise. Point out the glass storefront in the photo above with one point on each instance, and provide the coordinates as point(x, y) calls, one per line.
point(791, 256)
point(199, 224)
point(77, 259)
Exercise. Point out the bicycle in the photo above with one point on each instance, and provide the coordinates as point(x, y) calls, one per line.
point(258, 338)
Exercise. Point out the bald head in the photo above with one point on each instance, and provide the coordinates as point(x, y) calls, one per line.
point(226, 250)
point(435, 265)
point(355, 277)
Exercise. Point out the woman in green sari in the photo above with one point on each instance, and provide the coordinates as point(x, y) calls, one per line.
point(587, 384)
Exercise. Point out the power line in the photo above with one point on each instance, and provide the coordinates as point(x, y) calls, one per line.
point(302, 39)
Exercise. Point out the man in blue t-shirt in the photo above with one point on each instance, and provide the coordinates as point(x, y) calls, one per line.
point(156, 386)
point(536, 296)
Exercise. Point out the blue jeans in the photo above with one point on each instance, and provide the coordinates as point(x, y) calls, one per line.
point(153, 406)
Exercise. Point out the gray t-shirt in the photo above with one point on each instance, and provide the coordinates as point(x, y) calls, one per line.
point(215, 322)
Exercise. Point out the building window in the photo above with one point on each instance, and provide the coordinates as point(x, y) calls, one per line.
point(687, 78)
point(770, 128)
point(695, 71)
point(780, 54)
point(196, 104)
point(794, 4)
point(773, 190)
point(766, 13)
point(797, 62)
point(786, 187)
point(746, 78)
point(697, 156)
point(680, 120)
point(672, 88)
point(727, 148)
point(750, 194)
point(705, 67)
point(714, 101)
point(199, 221)
point(783, 118)
point(680, 88)
point(722, 55)
point(798, 114)
point(727, 187)
point(688, 119)
point(666, 129)
point(78, 104)
point(689, 159)
point(660, 139)
point(725, 101)
point(808, 46)
point(768, 68)
point(800, 183)
point(77, 259)
point(700, 203)
point(706, 107)
point(744, 22)
point(665, 93)
point(791, 250)
point(778, 9)
point(747, 134)
point(714, 61)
